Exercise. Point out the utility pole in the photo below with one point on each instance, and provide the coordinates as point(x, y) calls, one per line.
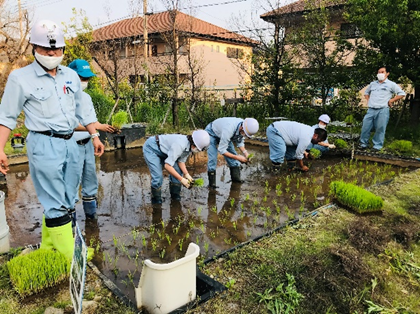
point(146, 42)
point(20, 24)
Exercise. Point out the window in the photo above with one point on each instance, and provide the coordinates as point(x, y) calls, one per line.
point(212, 49)
point(217, 49)
point(349, 30)
point(154, 50)
point(123, 53)
point(234, 53)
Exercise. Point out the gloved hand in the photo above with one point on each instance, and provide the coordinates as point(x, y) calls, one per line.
point(331, 146)
point(185, 183)
point(189, 178)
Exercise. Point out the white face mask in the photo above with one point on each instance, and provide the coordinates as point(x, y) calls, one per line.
point(84, 85)
point(322, 126)
point(381, 76)
point(48, 62)
point(195, 150)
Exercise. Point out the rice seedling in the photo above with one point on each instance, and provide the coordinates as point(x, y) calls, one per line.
point(37, 270)
point(198, 182)
point(180, 243)
point(119, 119)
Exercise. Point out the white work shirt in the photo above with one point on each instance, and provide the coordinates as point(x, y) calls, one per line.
point(295, 134)
point(381, 93)
point(86, 99)
point(227, 130)
point(176, 146)
point(49, 103)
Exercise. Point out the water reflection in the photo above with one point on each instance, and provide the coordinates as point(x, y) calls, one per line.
point(130, 230)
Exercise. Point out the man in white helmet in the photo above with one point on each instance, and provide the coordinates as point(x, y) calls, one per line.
point(170, 152)
point(223, 133)
point(50, 96)
point(323, 146)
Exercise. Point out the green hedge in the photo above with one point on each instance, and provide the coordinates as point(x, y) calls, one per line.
point(40, 269)
point(356, 198)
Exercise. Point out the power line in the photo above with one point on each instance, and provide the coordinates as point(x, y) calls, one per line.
point(161, 11)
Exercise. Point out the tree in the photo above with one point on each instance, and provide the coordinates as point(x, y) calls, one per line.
point(321, 50)
point(80, 31)
point(13, 40)
point(269, 69)
point(392, 32)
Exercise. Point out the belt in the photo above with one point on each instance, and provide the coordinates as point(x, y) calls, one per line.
point(157, 141)
point(52, 134)
point(84, 141)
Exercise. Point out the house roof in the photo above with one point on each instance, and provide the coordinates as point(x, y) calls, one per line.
point(300, 6)
point(162, 22)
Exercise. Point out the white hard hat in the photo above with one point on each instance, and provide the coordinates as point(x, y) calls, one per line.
point(201, 139)
point(47, 34)
point(250, 126)
point(324, 118)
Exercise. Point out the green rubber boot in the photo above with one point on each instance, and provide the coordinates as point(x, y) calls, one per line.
point(62, 239)
point(175, 190)
point(235, 174)
point(46, 241)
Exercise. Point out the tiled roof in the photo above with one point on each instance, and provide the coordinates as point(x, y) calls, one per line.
point(300, 6)
point(162, 22)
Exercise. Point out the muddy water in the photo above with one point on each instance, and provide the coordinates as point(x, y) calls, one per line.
point(130, 230)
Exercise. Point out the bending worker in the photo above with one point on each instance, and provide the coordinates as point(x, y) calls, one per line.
point(290, 139)
point(87, 165)
point(51, 97)
point(323, 146)
point(170, 151)
point(223, 133)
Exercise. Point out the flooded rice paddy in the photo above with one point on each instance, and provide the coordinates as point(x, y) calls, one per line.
point(130, 229)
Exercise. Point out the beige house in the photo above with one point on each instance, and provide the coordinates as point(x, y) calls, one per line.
point(172, 37)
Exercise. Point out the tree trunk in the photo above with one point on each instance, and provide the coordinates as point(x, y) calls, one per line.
point(415, 107)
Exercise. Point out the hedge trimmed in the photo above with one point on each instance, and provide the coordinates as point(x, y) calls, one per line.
point(40, 269)
point(356, 198)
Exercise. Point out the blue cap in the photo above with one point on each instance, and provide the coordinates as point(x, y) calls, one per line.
point(82, 68)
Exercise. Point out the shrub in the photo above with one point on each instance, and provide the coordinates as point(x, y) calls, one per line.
point(38, 270)
point(340, 144)
point(119, 119)
point(401, 146)
point(356, 198)
point(315, 153)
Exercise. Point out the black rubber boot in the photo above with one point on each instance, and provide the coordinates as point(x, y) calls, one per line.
point(156, 196)
point(212, 179)
point(235, 174)
point(175, 190)
point(276, 167)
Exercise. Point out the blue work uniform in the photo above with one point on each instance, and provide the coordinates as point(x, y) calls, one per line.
point(377, 116)
point(87, 164)
point(50, 104)
point(223, 133)
point(322, 149)
point(288, 139)
point(170, 149)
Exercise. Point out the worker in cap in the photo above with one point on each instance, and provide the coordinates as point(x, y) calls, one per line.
point(50, 96)
point(87, 165)
point(323, 146)
point(223, 133)
point(289, 140)
point(170, 152)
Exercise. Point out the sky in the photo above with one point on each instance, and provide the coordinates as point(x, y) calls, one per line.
point(229, 14)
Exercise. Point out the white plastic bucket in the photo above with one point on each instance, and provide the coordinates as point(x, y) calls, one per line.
point(165, 287)
point(4, 228)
